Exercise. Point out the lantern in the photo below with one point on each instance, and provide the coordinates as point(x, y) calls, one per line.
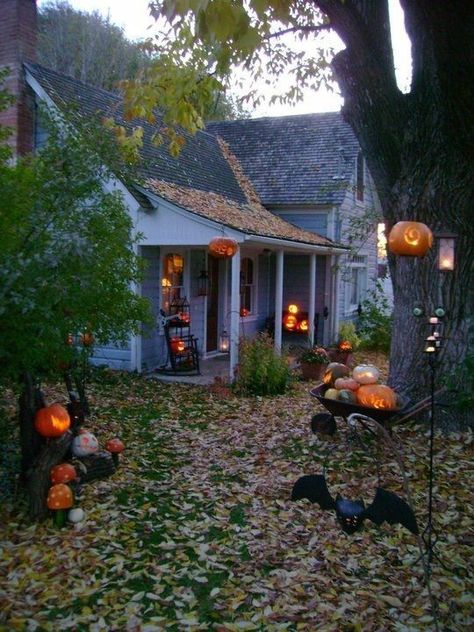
point(244, 312)
point(290, 322)
point(224, 342)
point(177, 344)
point(303, 325)
point(446, 243)
point(52, 421)
point(377, 396)
point(333, 371)
point(293, 309)
point(412, 239)
point(366, 374)
point(223, 247)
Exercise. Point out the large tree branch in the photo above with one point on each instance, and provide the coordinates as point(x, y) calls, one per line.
point(300, 29)
point(374, 106)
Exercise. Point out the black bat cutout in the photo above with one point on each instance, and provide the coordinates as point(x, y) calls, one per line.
point(386, 506)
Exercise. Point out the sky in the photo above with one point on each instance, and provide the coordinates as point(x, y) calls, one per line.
point(134, 18)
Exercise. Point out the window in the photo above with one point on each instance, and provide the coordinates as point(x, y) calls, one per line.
point(246, 286)
point(172, 280)
point(360, 178)
point(356, 283)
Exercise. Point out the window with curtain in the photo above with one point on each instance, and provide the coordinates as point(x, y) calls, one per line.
point(246, 286)
point(172, 280)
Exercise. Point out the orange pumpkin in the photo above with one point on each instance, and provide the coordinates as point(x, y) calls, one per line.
point(290, 322)
point(377, 396)
point(346, 383)
point(412, 239)
point(333, 371)
point(177, 344)
point(223, 247)
point(52, 421)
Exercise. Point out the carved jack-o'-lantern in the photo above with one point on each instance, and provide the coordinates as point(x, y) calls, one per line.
point(366, 374)
point(52, 421)
point(412, 239)
point(376, 396)
point(177, 344)
point(290, 322)
point(223, 247)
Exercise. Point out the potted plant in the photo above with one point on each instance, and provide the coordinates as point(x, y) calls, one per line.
point(348, 341)
point(313, 363)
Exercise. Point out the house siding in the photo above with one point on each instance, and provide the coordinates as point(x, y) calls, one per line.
point(152, 344)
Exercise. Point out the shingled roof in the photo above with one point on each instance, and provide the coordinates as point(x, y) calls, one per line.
point(307, 159)
point(205, 179)
point(200, 165)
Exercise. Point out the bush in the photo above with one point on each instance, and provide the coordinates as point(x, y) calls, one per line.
point(375, 322)
point(260, 371)
point(315, 355)
point(347, 332)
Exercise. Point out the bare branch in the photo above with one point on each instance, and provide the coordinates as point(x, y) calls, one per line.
point(298, 29)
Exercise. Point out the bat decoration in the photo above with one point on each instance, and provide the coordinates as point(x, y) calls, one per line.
point(386, 506)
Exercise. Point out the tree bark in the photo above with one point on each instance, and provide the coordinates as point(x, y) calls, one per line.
point(419, 149)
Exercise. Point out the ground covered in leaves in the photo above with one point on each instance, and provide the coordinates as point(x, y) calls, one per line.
point(196, 530)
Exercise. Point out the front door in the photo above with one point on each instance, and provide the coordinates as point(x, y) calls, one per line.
point(212, 304)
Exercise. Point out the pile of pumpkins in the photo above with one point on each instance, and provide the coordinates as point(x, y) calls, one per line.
point(360, 388)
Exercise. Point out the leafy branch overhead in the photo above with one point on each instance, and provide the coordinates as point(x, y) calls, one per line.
point(193, 57)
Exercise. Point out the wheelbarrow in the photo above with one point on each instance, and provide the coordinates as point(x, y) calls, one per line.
point(383, 416)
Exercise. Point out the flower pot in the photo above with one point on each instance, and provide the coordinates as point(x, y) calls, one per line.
point(343, 357)
point(311, 371)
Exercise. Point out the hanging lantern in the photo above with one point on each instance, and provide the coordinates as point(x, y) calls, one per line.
point(412, 239)
point(290, 322)
point(223, 247)
point(52, 421)
point(177, 344)
point(446, 243)
point(224, 342)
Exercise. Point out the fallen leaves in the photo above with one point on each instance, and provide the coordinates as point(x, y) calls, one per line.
point(195, 531)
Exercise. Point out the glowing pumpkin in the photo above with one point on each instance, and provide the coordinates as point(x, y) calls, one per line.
point(177, 344)
point(52, 421)
point(333, 371)
point(345, 345)
point(377, 396)
point(346, 383)
point(303, 325)
point(366, 374)
point(290, 322)
point(412, 239)
point(223, 247)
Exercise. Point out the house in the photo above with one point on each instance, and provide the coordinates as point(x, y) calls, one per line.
point(283, 189)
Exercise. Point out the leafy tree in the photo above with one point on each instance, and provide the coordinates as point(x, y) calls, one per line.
point(68, 265)
point(418, 145)
point(76, 43)
point(86, 46)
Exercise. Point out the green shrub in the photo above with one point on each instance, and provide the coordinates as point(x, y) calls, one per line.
point(261, 371)
point(375, 321)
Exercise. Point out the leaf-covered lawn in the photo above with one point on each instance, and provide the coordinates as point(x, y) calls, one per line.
point(196, 530)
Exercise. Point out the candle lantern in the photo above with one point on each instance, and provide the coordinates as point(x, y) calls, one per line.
point(412, 239)
point(224, 342)
point(177, 344)
point(223, 247)
point(446, 242)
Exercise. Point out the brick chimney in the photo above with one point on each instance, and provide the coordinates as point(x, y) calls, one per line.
point(18, 28)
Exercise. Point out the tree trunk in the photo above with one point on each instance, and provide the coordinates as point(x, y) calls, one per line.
point(30, 400)
point(419, 149)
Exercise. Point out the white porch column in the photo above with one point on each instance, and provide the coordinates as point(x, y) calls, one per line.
point(312, 297)
point(278, 299)
point(234, 313)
